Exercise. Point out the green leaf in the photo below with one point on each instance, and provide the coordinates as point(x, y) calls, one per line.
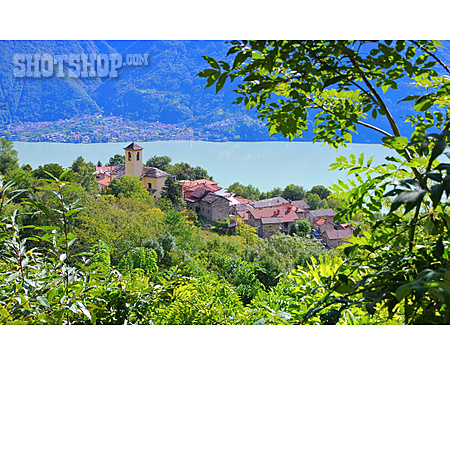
point(84, 310)
point(424, 102)
point(436, 192)
point(12, 277)
point(396, 142)
point(334, 80)
point(447, 185)
point(409, 98)
point(43, 301)
point(434, 176)
point(403, 291)
point(240, 58)
point(212, 62)
point(408, 198)
point(220, 82)
point(438, 148)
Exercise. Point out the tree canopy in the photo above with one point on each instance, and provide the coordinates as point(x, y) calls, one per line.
point(129, 186)
point(9, 159)
point(160, 162)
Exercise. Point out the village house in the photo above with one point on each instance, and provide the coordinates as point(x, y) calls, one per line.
point(322, 224)
point(209, 205)
point(269, 226)
point(317, 214)
point(285, 212)
point(240, 208)
point(188, 187)
point(335, 238)
point(152, 177)
point(302, 208)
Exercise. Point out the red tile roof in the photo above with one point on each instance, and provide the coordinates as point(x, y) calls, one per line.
point(242, 200)
point(104, 182)
point(320, 221)
point(285, 214)
point(243, 214)
point(188, 187)
point(104, 168)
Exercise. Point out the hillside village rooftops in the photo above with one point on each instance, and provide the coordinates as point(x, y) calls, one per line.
point(197, 194)
point(243, 215)
point(242, 207)
point(242, 199)
point(187, 187)
point(321, 221)
point(201, 194)
point(322, 212)
point(346, 233)
point(269, 202)
point(104, 169)
point(104, 182)
point(284, 214)
point(153, 172)
point(265, 212)
point(300, 204)
point(267, 220)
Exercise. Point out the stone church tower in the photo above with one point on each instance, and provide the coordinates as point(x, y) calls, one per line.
point(133, 160)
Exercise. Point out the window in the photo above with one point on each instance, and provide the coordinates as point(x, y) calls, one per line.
point(149, 185)
point(129, 156)
point(137, 156)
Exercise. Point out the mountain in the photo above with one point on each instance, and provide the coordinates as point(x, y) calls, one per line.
point(166, 90)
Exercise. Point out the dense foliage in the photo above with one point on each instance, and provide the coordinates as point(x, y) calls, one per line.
point(72, 256)
point(396, 267)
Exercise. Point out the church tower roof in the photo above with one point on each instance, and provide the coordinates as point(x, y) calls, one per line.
point(133, 146)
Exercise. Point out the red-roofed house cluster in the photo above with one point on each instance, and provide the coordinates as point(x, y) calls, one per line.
point(209, 200)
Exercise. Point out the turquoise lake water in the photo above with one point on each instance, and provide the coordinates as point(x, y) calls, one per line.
point(263, 164)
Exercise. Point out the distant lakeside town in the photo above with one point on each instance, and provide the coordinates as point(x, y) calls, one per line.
point(104, 129)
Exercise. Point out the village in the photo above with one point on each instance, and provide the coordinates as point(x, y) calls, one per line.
point(215, 204)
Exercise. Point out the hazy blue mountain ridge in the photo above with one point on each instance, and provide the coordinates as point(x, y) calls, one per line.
point(166, 90)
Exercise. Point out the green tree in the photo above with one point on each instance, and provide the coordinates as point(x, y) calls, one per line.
point(184, 171)
point(160, 162)
point(172, 191)
point(321, 191)
point(129, 186)
point(9, 159)
point(315, 202)
point(293, 192)
point(301, 228)
point(53, 168)
point(116, 160)
point(85, 174)
point(249, 191)
point(275, 192)
point(400, 269)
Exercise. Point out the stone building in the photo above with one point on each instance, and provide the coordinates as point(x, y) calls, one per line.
point(269, 226)
point(206, 204)
point(335, 238)
point(286, 212)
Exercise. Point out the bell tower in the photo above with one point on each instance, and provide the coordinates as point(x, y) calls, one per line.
point(133, 160)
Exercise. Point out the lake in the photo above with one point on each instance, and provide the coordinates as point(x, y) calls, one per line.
point(263, 164)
